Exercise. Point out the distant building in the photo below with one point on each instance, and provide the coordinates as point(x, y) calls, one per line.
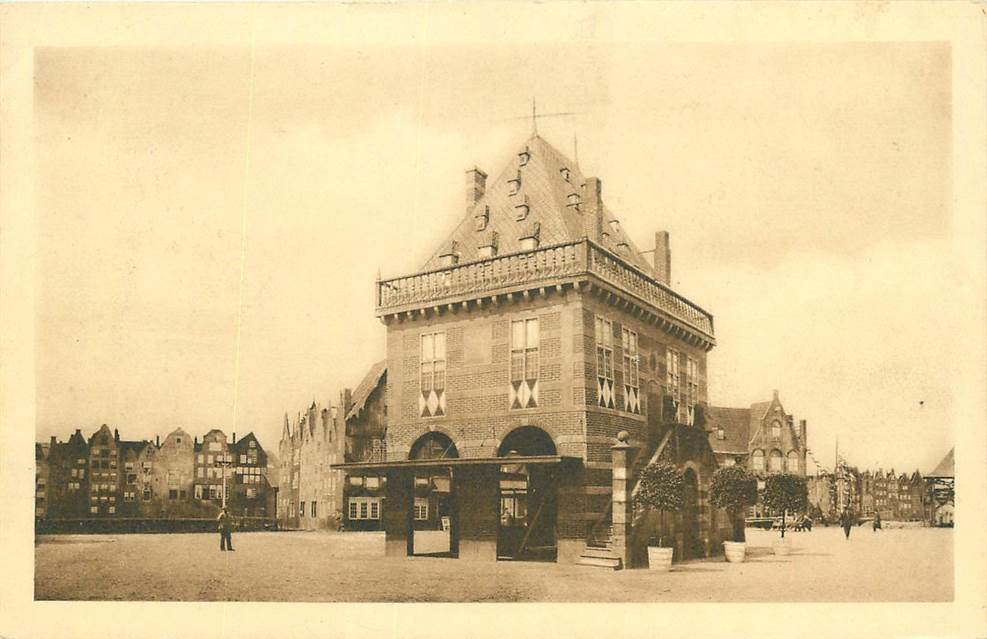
point(104, 477)
point(893, 496)
point(822, 495)
point(41, 480)
point(310, 494)
point(366, 441)
point(763, 437)
point(941, 492)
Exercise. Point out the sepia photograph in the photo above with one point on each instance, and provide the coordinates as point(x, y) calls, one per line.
point(416, 306)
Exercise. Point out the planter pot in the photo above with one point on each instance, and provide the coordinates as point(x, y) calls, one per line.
point(735, 551)
point(782, 547)
point(660, 558)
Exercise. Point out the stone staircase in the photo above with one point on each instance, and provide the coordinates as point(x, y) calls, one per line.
point(599, 553)
point(599, 548)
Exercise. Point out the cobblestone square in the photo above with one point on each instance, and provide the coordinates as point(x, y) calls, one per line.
point(906, 564)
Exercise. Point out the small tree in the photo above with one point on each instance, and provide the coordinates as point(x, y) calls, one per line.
point(661, 488)
point(734, 489)
point(787, 493)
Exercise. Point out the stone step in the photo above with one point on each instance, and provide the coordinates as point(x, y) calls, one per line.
point(604, 552)
point(600, 562)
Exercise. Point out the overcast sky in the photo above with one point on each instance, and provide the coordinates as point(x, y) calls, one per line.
point(212, 220)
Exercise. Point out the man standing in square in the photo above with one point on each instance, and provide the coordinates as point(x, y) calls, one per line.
point(225, 530)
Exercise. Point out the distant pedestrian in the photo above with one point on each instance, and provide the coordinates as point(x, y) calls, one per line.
point(877, 521)
point(846, 521)
point(225, 530)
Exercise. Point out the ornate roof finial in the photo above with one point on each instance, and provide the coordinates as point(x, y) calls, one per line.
point(575, 148)
point(534, 119)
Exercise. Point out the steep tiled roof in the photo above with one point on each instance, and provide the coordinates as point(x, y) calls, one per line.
point(366, 386)
point(547, 180)
point(735, 423)
point(945, 467)
point(135, 446)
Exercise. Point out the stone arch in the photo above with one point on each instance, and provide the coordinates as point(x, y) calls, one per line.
point(527, 440)
point(433, 444)
point(691, 515)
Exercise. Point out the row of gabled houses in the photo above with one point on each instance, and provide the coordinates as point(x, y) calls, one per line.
point(911, 496)
point(105, 477)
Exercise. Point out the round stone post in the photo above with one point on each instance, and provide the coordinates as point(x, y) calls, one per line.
point(622, 456)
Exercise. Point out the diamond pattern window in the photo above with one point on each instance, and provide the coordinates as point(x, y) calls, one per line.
point(524, 363)
point(605, 395)
point(632, 391)
point(432, 398)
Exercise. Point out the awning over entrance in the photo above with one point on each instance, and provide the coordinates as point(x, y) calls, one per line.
point(447, 462)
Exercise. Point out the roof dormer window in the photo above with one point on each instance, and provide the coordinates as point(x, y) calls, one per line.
point(623, 248)
point(523, 157)
point(573, 200)
point(529, 240)
point(564, 172)
point(521, 210)
point(515, 184)
point(488, 246)
point(481, 219)
point(451, 256)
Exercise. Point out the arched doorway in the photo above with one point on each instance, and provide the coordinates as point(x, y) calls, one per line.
point(692, 541)
point(528, 498)
point(433, 513)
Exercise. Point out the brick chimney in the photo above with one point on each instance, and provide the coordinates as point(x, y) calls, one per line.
point(116, 435)
point(234, 438)
point(802, 431)
point(157, 441)
point(476, 186)
point(662, 258)
point(53, 440)
point(592, 208)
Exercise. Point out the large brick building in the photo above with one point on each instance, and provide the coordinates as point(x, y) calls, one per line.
point(107, 478)
point(536, 333)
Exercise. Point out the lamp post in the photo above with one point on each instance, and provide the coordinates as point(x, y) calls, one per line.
point(224, 462)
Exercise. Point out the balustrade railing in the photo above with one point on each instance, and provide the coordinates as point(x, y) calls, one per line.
point(543, 265)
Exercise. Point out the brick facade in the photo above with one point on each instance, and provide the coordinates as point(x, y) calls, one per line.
point(545, 353)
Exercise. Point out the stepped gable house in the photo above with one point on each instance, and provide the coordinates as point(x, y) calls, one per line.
point(310, 492)
point(314, 493)
point(534, 335)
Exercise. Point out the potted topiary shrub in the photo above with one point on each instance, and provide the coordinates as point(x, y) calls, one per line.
point(661, 488)
point(785, 493)
point(734, 489)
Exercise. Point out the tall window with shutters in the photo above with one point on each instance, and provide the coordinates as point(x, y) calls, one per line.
point(632, 391)
point(691, 389)
point(524, 363)
point(432, 398)
point(605, 395)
